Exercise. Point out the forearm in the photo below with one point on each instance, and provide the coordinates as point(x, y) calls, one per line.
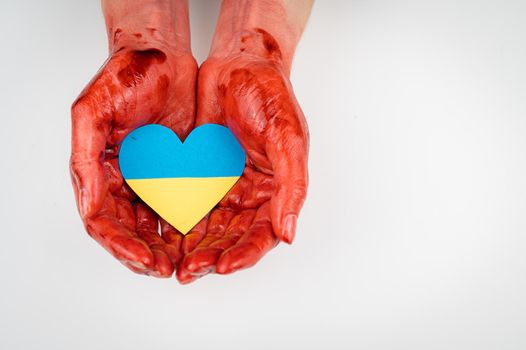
point(141, 23)
point(283, 20)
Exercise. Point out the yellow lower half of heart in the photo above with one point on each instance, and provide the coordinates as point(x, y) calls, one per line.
point(182, 201)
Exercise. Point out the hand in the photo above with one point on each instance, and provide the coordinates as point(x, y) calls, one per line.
point(249, 91)
point(145, 80)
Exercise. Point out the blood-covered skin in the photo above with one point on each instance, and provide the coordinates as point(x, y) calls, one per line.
point(249, 91)
point(143, 81)
point(150, 78)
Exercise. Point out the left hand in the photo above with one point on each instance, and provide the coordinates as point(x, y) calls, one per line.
point(250, 93)
point(139, 84)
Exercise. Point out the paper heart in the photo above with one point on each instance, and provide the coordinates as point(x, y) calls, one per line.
point(182, 182)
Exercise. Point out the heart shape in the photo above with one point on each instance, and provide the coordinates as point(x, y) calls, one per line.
point(180, 181)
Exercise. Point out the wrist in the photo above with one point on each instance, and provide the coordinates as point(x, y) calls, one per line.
point(143, 24)
point(267, 28)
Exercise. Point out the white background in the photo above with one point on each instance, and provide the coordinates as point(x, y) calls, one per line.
point(413, 235)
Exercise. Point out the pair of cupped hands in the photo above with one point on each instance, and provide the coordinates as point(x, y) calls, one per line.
point(247, 90)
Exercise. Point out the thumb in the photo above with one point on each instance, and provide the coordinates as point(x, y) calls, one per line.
point(89, 135)
point(288, 155)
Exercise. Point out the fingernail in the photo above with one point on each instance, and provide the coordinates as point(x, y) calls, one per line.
point(83, 202)
point(136, 264)
point(289, 228)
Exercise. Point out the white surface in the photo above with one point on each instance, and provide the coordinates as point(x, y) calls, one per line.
point(413, 235)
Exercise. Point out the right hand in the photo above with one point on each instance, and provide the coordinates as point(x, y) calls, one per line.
point(249, 91)
point(137, 85)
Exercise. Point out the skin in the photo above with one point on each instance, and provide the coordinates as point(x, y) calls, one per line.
point(150, 77)
point(245, 85)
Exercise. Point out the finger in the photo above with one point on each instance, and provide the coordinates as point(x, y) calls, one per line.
point(184, 276)
point(217, 225)
point(164, 267)
point(239, 225)
point(136, 269)
point(147, 226)
point(157, 271)
point(125, 213)
point(252, 246)
point(201, 261)
point(192, 239)
point(170, 234)
point(173, 239)
point(287, 149)
point(119, 241)
point(89, 134)
point(197, 264)
point(251, 191)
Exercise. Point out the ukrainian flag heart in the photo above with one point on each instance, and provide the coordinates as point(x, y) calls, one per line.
point(182, 182)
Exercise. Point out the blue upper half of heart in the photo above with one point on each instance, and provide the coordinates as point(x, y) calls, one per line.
point(154, 151)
